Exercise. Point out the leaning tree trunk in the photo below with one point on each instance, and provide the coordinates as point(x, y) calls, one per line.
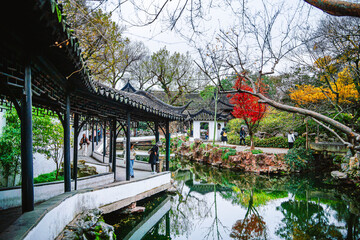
point(336, 7)
point(315, 115)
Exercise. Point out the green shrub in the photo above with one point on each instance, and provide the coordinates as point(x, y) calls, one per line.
point(299, 158)
point(274, 142)
point(225, 156)
point(234, 125)
point(226, 152)
point(281, 122)
point(233, 138)
point(48, 177)
point(300, 142)
point(179, 143)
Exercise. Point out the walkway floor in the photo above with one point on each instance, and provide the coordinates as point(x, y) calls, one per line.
point(120, 171)
point(121, 174)
point(8, 216)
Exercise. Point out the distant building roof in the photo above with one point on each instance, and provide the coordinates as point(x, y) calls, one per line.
point(128, 88)
point(207, 115)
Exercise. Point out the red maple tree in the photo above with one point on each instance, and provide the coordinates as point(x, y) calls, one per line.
point(247, 106)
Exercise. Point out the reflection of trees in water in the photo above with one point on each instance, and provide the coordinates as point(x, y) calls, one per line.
point(228, 178)
point(252, 226)
point(259, 197)
point(160, 231)
point(213, 231)
point(194, 216)
point(352, 221)
point(304, 217)
point(188, 208)
point(307, 216)
point(305, 220)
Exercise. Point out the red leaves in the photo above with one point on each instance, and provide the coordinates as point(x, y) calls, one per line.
point(247, 106)
point(249, 228)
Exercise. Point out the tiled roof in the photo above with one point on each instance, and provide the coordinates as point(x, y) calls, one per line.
point(59, 69)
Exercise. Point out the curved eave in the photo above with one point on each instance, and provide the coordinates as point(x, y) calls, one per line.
point(78, 74)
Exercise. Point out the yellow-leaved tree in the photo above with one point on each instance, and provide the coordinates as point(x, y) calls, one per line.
point(335, 85)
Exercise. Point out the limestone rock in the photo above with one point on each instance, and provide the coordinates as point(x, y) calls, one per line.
point(171, 190)
point(89, 226)
point(338, 175)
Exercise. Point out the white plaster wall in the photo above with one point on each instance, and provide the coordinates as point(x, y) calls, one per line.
point(12, 197)
point(42, 164)
point(55, 220)
point(218, 131)
point(2, 121)
point(99, 168)
point(211, 130)
point(196, 129)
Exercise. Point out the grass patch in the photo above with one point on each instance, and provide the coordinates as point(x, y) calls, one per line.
point(254, 151)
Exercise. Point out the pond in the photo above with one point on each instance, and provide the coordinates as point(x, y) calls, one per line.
point(220, 204)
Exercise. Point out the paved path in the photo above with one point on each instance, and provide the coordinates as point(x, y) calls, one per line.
point(265, 150)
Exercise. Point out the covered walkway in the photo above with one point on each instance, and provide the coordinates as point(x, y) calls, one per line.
point(51, 216)
point(42, 72)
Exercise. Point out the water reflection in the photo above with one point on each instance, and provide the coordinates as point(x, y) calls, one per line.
point(214, 204)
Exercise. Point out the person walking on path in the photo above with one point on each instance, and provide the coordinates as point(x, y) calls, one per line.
point(242, 135)
point(154, 156)
point(84, 143)
point(291, 139)
point(132, 159)
point(223, 136)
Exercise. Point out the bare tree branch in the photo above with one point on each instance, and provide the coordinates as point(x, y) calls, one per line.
point(333, 132)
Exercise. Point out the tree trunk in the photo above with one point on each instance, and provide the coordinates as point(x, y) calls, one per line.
point(343, 128)
point(6, 178)
point(252, 145)
point(15, 170)
point(336, 7)
point(57, 171)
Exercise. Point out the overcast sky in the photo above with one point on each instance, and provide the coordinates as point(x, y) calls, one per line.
point(158, 34)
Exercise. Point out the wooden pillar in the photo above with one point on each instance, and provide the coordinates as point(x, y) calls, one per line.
point(96, 134)
point(128, 123)
point(27, 174)
point(157, 137)
point(167, 137)
point(110, 143)
point(67, 167)
point(114, 148)
point(75, 151)
point(92, 139)
point(104, 141)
